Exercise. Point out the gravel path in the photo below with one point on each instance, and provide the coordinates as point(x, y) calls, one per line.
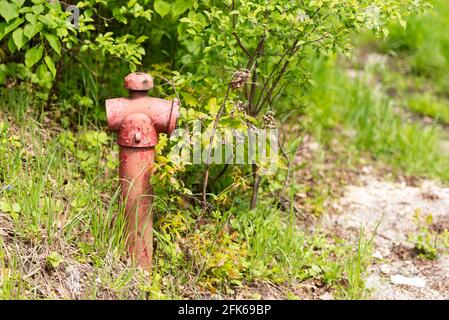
point(396, 272)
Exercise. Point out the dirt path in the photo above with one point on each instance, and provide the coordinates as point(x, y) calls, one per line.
point(396, 272)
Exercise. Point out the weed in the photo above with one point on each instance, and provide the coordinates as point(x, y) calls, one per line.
point(370, 122)
point(429, 244)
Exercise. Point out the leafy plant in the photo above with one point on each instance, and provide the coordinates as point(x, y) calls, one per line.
point(428, 243)
point(264, 45)
point(54, 260)
point(230, 61)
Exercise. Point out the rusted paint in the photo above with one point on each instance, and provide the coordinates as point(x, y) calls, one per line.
point(135, 171)
point(138, 131)
point(138, 81)
point(163, 113)
point(138, 120)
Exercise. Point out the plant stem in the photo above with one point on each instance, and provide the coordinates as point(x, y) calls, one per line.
point(255, 186)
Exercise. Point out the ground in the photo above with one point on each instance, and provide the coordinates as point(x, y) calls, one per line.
point(386, 210)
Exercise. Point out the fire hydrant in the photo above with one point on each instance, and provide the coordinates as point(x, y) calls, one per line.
point(138, 120)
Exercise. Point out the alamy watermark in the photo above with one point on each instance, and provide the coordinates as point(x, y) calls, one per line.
point(229, 146)
point(74, 17)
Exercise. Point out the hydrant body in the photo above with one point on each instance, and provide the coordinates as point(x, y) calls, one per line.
point(138, 120)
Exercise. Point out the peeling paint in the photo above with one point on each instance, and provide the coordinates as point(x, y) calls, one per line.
point(138, 120)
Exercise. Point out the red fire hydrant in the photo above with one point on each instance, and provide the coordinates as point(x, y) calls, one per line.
point(138, 120)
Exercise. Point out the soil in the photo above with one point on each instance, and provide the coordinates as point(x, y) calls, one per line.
point(386, 210)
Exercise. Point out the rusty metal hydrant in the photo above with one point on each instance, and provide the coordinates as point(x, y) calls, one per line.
point(138, 120)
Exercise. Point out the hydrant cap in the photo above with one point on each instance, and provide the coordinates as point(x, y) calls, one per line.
point(138, 81)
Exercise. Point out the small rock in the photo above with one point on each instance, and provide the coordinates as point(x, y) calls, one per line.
point(73, 280)
point(367, 169)
point(377, 255)
point(314, 146)
point(63, 292)
point(398, 279)
point(385, 269)
point(326, 296)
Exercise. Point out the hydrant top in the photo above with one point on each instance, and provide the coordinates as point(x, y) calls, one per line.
point(138, 81)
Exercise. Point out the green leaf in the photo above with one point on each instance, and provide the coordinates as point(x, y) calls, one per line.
point(38, 9)
point(180, 6)
point(54, 259)
point(189, 100)
point(11, 209)
point(3, 75)
point(31, 30)
point(12, 26)
point(16, 208)
point(188, 192)
point(32, 18)
point(132, 67)
point(19, 38)
point(42, 72)
point(6, 28)
point(49, 21)
point(185, 20)
point(11, 46)
point(162, 7)
point(51, 65)
point(212, 106)
point(54, 42)
point(33, 55)
point(141, 39)
point(8, 10)
point(2, 29)
point(5, 207)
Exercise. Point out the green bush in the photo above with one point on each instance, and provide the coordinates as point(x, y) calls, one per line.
point(230, 62)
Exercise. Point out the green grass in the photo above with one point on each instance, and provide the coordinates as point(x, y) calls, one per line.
point(60, 212)
point(57, 199)
point(418, 68)
point(429, 105)
point(239, 248)
point(42, 176)
point(370, 122)
point(429, 243)
point(280, 251)
point(425, 44)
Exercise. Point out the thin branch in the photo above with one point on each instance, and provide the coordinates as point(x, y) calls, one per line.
point(241, 44)
point(214, 129)
point(255, 192)
point(257, 52)
point(234, 20)
point(253, 90)
point(275, 82)
point(252, 65)
point(271, 75)
point(287, 54)
point(289, 161)
point(220, 174)
point(280, 91)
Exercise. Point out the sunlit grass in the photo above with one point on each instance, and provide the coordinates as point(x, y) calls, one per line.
point(366, 118)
